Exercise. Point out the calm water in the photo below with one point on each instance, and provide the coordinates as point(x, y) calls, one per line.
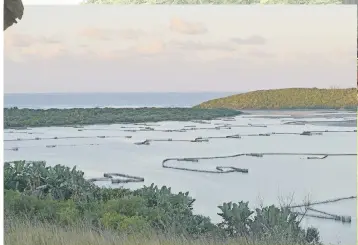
point(271, 179)
point(109, 99)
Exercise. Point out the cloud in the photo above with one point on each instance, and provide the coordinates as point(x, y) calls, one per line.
point(150, 48)
point(25, 40)
point(144, 49)
point(252, 40)
point(18, 40)
point(37, 52)
point(45, 52)
point(25, 47)
point(261, 54)
point(193, 45)
point(185, 27)
point(20, 46)
point(110, 34)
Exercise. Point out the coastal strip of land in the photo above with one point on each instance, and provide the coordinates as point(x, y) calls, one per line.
point(22, 118)
point(288, 98)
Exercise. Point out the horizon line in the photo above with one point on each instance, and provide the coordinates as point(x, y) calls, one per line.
point(126, 92)
point(171, 92)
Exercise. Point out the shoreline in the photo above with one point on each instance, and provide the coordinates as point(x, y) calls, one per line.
point(34, 118)
point(21, 118)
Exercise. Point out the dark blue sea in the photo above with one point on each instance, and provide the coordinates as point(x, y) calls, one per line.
point(90, 100)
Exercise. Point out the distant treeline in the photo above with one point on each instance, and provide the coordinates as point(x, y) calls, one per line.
point(18, 118)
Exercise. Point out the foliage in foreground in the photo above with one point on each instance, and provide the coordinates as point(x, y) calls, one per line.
point(34, 233)
point(212, 2)
point(14, 117)
point(60, 196)
point(290, 98)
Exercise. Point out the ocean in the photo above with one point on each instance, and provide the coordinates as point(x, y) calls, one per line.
point(88, 100)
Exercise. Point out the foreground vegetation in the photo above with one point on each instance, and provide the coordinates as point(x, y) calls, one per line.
point(290, 98)
point(213, 1)
point(14, 117)
point(35, 233)
point(56, 205)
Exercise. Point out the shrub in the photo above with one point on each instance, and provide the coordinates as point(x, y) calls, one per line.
point(69, 200)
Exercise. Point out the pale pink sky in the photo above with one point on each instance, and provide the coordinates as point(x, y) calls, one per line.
point(101, 48)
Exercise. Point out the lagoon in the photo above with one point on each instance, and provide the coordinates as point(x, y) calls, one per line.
point(271, 179)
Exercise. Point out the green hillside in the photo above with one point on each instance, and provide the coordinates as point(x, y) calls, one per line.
point(290, 98)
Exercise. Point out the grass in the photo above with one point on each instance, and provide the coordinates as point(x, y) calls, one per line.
point(25, 232)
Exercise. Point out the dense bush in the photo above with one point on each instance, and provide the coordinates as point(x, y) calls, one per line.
point(291, 98)
point(14, 117)
point(60, 195)
point(268, 223)
point(58, 182)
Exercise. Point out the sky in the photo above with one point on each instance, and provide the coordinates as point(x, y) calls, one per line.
point(108, 48)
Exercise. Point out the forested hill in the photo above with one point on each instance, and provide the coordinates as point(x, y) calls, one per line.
point(289, 98)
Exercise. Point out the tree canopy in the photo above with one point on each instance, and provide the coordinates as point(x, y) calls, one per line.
point(13, 10)
point(15, 118)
